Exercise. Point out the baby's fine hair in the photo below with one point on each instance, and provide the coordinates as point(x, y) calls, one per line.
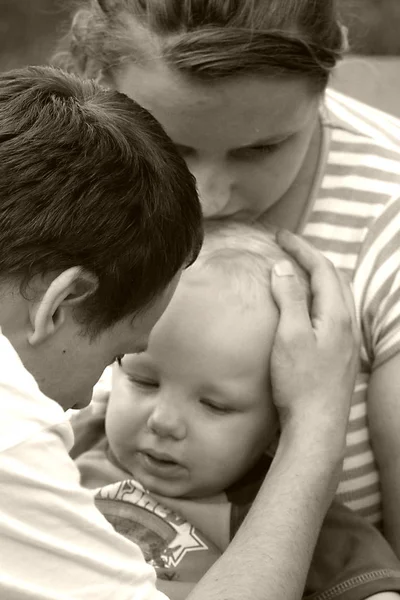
point(207, 39)
point(243, 256)
point(89, 178)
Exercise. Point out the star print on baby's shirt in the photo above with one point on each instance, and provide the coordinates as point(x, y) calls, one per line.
point(168, 541)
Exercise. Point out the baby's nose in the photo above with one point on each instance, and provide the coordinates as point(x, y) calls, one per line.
point(166, 421)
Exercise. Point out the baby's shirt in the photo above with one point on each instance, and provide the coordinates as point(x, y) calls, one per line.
point(182, 538)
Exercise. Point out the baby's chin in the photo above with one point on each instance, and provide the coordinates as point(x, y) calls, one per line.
point(161, 487)
point(174, 489)
point(181, 491)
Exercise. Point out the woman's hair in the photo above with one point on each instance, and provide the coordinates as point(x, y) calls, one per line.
point(207, 39)
point(242, 255)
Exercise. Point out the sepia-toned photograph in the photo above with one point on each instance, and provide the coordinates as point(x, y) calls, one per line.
point(200, 299)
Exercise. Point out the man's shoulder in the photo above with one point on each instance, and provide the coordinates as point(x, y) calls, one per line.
point(25, 411)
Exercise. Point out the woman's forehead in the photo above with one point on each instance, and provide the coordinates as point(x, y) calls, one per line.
point(237, 109)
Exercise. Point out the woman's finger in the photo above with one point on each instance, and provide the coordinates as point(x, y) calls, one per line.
point(291, 300)
point(348, 296)
point(328, 299)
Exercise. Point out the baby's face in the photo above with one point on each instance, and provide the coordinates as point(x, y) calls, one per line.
point(193, 413)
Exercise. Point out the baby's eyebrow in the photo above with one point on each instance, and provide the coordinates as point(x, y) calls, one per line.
point(223, 393)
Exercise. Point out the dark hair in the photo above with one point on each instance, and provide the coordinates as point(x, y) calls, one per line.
point(89, 178)
point(207, 39)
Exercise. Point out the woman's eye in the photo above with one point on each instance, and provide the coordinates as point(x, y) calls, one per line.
point(254, 152)
point(217, 408)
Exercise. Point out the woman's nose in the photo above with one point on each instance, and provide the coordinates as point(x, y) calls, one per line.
point(215, 187)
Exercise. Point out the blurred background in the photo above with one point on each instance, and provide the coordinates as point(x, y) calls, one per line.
point(30, 28)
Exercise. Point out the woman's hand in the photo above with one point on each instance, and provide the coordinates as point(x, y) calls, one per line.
point(315, 355)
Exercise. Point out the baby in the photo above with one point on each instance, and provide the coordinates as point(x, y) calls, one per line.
point(182, 450)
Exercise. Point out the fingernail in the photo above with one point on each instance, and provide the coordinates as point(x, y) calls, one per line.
point(284, 269)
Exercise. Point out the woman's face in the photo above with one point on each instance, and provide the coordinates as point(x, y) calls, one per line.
point(244, 139)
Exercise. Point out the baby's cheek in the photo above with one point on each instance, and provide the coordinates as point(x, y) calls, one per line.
point(115, 425)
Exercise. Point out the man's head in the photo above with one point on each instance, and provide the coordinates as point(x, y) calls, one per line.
point(191, 414)
point(98, 215)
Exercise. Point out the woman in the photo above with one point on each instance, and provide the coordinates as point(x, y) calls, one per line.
point(239, 86)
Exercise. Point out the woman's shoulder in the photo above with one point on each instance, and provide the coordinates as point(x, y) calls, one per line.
point(363, 157)
point(357, 205)
point(353, 122)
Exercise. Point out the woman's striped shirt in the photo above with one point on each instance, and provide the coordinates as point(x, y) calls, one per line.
point(355, 222)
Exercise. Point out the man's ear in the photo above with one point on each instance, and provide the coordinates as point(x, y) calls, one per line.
point(48, 312)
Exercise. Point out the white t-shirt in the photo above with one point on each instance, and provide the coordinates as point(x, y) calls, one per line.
point(54, 544)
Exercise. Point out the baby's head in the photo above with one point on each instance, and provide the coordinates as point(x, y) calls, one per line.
point(193, 413)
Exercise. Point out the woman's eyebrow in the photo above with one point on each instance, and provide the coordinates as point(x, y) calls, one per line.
point(273, 139)
point(264, 141)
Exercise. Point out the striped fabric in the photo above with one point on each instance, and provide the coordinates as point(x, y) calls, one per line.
point(355, 222)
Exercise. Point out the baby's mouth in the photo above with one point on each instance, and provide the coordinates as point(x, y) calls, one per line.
point(159, 464)
point(161, 458)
